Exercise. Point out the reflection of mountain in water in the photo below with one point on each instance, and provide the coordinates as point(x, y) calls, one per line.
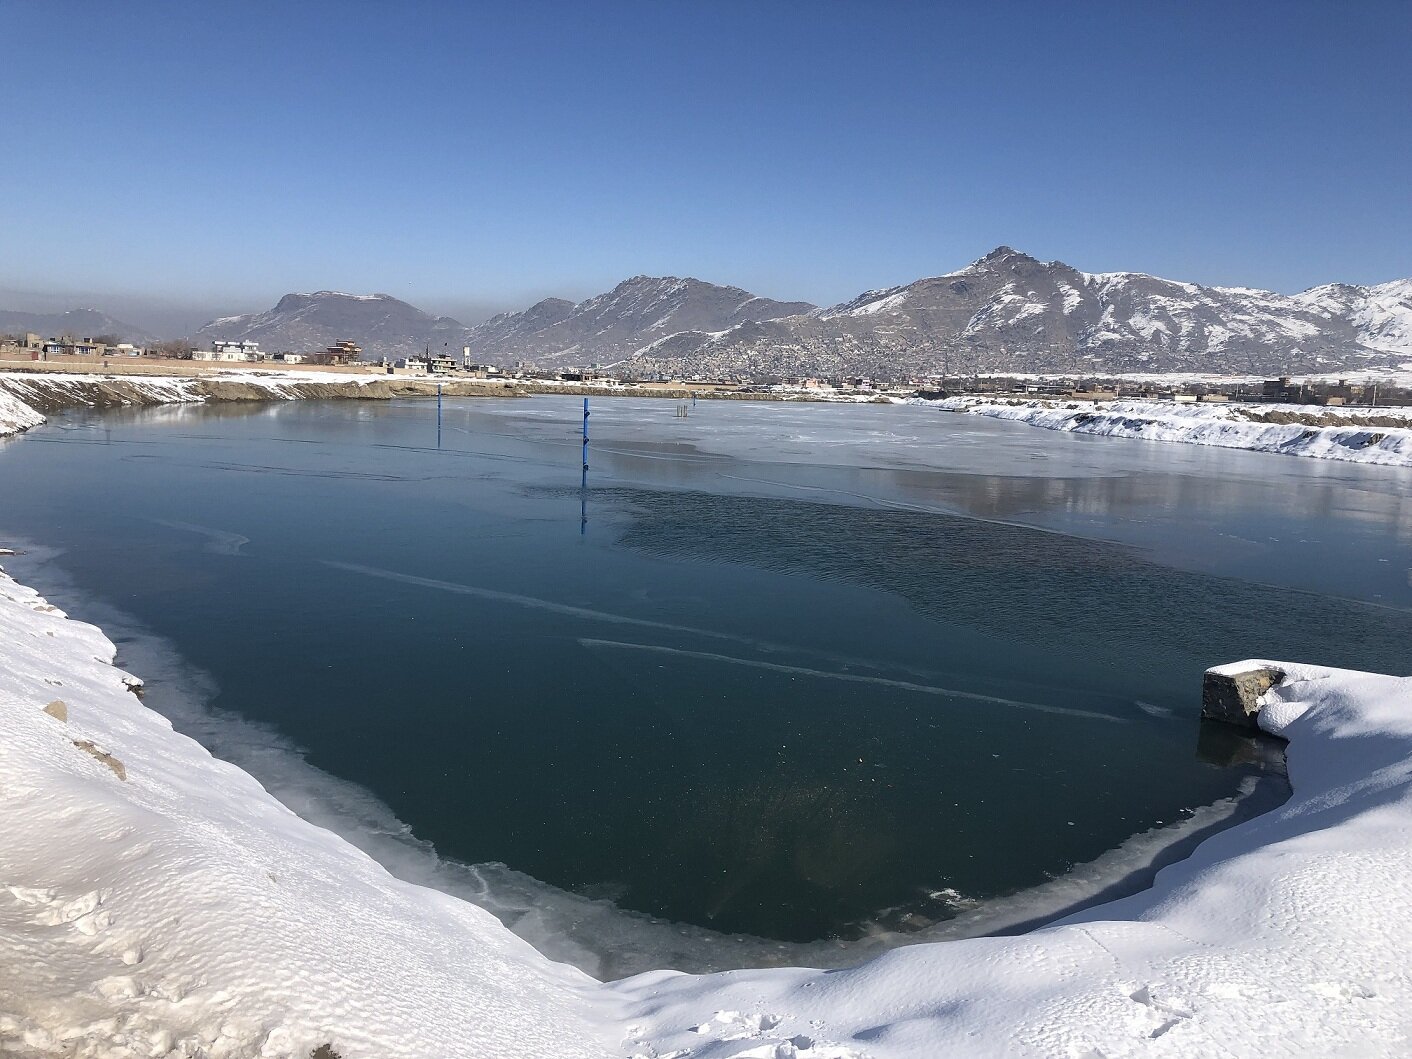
point(1023, 584)
point(1319, 491)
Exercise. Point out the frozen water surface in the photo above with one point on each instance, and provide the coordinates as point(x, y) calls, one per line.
point(812, 680)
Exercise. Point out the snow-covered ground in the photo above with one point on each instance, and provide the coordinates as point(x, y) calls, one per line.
point(1283, 936)
point(1337, 435)
point(15, 415)
point(1399, 376)
point(155, 901)
point(23, 393)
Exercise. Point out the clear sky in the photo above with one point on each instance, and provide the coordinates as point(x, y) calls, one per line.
point(467, 157)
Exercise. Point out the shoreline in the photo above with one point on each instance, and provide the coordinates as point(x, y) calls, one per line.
point(595, 935)
point(177, 904)
point(27, 397)
point(1342, 434)
point(1345, 434)
point(124, 862)
point(27, 394)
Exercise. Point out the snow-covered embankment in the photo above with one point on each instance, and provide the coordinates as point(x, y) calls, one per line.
point(26, 397)
point(155, 901)
point(1285, 935)
point(1356, 435)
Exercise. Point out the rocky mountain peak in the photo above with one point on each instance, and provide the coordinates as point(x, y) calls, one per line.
point(304, 322)
point(636, 313)
point(1005, 257)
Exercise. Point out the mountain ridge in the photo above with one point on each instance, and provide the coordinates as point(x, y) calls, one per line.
point(304, 322)
point(637, 312)
point(80, 323)
point(1005, 311)
point(1008, 311)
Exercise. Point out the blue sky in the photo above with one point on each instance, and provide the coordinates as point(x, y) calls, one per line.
point(468, 157)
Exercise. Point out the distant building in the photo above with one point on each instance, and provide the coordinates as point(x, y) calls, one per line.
point(1282, 389)
point(250, 349)
point(411, 364)
point(344, 352)
point(72, 347)
point(226, 355)
point(440, 364)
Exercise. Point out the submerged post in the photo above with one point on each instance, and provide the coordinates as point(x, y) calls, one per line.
point(438, 415)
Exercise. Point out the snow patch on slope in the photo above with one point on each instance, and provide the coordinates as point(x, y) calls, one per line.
point(15, 415)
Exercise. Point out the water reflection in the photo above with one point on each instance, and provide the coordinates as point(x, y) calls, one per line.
point(1051, 591)
point(1226, 746)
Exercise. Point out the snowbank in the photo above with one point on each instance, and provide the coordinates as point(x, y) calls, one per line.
point(15, 415)
point(25, 396)
point(155, 901)
point(1286, 935)
point(1225, 425)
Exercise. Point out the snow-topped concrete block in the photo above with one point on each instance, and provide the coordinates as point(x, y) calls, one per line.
point(1231, 693)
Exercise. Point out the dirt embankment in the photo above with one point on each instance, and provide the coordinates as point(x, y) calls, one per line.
point(378, 390)
point(49, 394)
point(679, 393)
point(1343, 416)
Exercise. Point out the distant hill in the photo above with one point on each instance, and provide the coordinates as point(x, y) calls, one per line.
point(304, 323)
point(1010, 312)
point(1006, 312)
point(619, 323)
point(80, 323)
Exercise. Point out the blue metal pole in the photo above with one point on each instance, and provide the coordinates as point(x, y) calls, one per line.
point(438, 415)
point(583, 482)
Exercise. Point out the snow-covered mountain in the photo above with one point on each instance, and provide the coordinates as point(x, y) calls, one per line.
point(616, 325)
point(1382, 314)
point(304, 323)
point(1004, 312)
point(1010, 312)
point(79, 323)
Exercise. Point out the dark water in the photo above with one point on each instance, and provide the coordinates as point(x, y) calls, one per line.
point(807, 672)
